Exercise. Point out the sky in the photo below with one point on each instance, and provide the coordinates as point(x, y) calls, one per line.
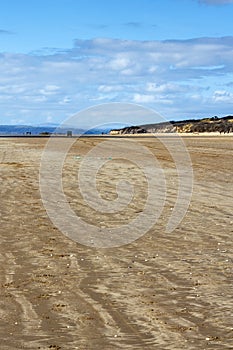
point(58, 57)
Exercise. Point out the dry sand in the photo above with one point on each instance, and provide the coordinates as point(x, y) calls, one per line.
point(163, 291)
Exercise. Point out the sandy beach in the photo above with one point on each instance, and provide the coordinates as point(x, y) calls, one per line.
point(162, 291)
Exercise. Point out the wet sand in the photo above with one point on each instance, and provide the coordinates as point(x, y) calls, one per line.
point(163, 291)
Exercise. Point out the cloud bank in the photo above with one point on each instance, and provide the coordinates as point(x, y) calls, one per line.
point(178, 78)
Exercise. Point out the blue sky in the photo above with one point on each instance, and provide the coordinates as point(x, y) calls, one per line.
point(58, 57)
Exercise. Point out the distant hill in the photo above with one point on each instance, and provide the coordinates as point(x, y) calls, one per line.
point(20, 130)
point(17, 130)
point(213, 124)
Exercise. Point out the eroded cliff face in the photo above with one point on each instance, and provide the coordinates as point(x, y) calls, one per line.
point(129, 130)
point(215, 124)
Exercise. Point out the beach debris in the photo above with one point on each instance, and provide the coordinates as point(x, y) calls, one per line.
point(55, 347)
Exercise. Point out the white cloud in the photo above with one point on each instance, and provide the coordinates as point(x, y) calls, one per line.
point(170, 76)
point(49, 90)
point(223, 96)
point(110, 88)
point(65, 100)
point(142, 98)
point(120, 62)
point(167, 88)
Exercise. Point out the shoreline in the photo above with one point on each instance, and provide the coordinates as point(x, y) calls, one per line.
point(147, 135)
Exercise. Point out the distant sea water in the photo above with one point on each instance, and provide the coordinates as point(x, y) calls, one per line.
point(21, 130)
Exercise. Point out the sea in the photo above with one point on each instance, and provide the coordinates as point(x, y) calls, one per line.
point(28, 130)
